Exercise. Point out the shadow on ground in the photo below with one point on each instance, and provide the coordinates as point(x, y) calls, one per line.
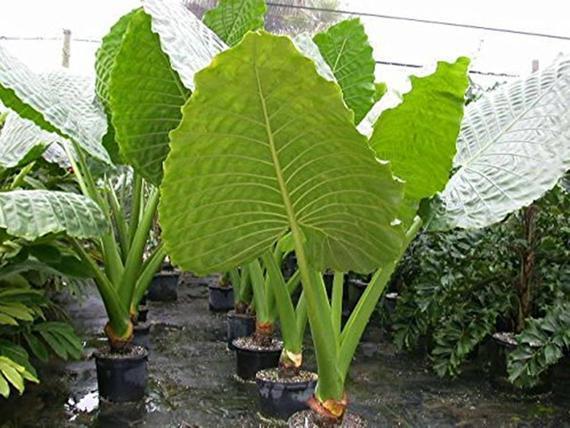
point(192, 382)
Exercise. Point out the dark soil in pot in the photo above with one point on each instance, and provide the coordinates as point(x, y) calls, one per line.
point(239, 325)
point(250, 357)
point(500, 346)
point(220, 299)
point(308, 419)
point(164, 287)
point(142, 334)
point(281, 397)
point(122, 377)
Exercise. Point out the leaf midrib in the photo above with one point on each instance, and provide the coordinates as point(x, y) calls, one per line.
point(275, 158)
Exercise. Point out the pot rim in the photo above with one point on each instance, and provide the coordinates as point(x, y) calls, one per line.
point(258, 351)
point(102, 354)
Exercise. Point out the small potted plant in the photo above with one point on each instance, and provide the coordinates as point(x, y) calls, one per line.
point(164, 285)
point(221, 294)
point(240, 320)
point(287, 388)
point(261, 350)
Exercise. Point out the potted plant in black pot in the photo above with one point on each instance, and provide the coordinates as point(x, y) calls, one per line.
point(287, 388)
point(221, 294)
point(258, 184)
point(261, 350)
point(103, 134)
point(241, 319)
point(164, 285)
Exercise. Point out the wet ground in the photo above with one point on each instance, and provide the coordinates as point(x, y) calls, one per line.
point(192, 382)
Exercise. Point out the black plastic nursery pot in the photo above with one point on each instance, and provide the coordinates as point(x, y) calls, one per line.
point(251, 358)
point(239, 325)
point(309, 419)
point(501, 345)
point(141, 335)
point(122, 377)
point(164, 286)
point(355, 290)
point(220, 299)
point(390, 301)
point(281, 397)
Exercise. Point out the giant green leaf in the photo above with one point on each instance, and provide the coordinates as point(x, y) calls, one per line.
point(30, 214)
point(346, 49)
point(418, 136)
point(56, 102)
point(104, 62)
point(231, 19)
point(514, 145)
point(146, 96)
point(187, 41)
point(267, 145)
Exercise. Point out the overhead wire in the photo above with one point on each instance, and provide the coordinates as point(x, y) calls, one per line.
point(421, 20)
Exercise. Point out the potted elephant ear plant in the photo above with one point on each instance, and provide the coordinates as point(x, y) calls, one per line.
point(241, 319)
point(288, 150)
point(285, 389)
point(128, 123)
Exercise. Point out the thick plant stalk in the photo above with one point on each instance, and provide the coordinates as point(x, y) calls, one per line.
point(354, 328)
point(336, 306)
point(149, 268)
point(265, 319)
point(135, 206)
point(112, 259)
point(118, 318)
point(120, 222)
point(135, 256)
point(291, 357)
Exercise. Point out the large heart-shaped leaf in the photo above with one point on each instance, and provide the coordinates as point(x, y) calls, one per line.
point(104, 62)
point(30, 214)
point(56, 102)
point(146, 96)
point(347, 51)
point(187, 41)
point(514, 145)
point(231, 19)
point(418, 136)
point(267, 145)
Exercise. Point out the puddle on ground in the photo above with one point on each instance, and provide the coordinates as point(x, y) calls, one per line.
point(192, 383)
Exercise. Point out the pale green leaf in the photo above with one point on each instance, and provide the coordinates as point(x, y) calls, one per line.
point(30, 214)
point(266, 145)
point(305, 44)
point(187, 41)
point(104, 62)
point(146, 96)
point(347, 51)
point(56, 102)
point(418, 136)
point(22, 141)
point(232, 19)
point(514, 145)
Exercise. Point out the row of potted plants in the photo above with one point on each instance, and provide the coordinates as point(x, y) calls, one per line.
point(256, 152)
